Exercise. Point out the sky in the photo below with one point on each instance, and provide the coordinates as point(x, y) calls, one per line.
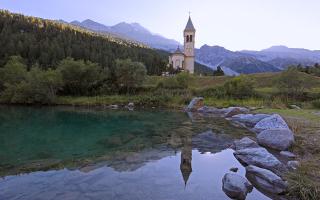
point(233, 24)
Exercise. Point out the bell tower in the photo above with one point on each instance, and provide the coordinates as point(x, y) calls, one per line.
point(189, 44)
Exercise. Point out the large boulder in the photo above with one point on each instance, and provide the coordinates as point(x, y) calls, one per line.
point(249, 120)
point(195, 104)
point(278, 139)
point(266, 180)
point(273, 122)
point(207, 109)
point(236, 186)
point(260, 157)
point(244, 143)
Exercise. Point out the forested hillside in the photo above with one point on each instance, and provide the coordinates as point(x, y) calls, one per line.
point(47, 42)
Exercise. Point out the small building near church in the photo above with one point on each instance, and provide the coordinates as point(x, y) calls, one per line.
point(184, 60)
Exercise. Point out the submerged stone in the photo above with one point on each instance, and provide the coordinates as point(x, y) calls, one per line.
point(249, 120)
point(195, 104)
point(236, 186)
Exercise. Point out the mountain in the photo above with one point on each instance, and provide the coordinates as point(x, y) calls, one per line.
point(131, 31)
point(273, 59)
point(47, 42)
point(231, 62)
point(282, 56)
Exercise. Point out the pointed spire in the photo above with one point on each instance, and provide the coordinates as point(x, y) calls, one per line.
point(189, 26)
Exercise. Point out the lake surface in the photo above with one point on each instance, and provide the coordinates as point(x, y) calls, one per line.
point(85, 154)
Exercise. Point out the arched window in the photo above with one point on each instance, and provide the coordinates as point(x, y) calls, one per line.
point(190, 38)
point(187, 38)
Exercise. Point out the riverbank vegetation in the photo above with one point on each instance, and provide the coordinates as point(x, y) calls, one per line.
point(79, 82)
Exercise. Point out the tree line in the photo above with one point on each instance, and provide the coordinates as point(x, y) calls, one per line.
point(45, 43)
point(20, 85)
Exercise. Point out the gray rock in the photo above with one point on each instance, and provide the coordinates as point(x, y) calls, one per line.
point(273, 122)
point(260, 157)
point(131, 104)
point(244, 143)
point(195, 104)
point(293, 165)
point(279, 139)
point(266, 180)
point(295, 107)
point(235, 111)
point(249, 120)
point(207, 109)
point(235, 186)
point(114, 107)
point(288, 154)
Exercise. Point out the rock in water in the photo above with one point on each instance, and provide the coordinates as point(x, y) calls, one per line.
point(266, 180)
point(273, 122)
point(235, 186)
point(244, 143)
point(235, 111)
point(279, 139)
point(195, 104)
point(260, 157)
point(249, 120)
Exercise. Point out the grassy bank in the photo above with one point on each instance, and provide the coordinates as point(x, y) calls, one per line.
point(304, 183)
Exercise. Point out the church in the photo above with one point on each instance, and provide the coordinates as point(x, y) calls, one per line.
point(184, 60)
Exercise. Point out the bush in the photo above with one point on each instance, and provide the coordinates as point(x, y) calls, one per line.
point(239, 87)
point(316, 104)
point(13, 72)
point(180, 81)
point(129, 74)
point(81, 78)
point(292, 84)
point(39, 87)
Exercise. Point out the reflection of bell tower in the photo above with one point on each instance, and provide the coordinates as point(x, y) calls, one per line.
point(186, 157)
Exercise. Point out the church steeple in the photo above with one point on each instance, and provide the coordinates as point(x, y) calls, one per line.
point(189, 26)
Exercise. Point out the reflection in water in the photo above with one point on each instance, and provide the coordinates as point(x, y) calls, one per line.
point(186, 157)
point(63, 153)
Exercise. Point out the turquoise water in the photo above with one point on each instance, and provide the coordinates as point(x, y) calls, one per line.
point(76, 153)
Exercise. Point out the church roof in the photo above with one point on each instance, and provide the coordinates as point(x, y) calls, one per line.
point(178, 51)
point(189, 26)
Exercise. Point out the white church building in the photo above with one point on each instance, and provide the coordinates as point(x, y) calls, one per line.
point(184, 60)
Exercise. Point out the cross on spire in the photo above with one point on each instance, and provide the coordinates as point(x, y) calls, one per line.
point(189, 13)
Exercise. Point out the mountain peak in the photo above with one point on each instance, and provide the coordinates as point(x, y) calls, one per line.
point(279, 48)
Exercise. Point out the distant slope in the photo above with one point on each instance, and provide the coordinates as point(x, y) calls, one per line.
point(133, 31)
point(282, 56)
point(269, 60)
point(46, 42)
point(232, 62)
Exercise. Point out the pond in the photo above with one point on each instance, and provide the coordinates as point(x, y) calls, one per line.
point(77, 153)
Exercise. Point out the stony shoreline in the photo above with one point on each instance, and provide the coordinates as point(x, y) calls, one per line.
point(261, 158)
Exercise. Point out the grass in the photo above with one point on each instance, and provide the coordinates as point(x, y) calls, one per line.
point(304, 183)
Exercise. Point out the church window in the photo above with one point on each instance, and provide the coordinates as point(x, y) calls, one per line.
point(187, 38)
point(190, 38)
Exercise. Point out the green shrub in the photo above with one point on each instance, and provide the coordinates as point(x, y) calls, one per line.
point(40, 87)
point(292, 84)
point(316, 104)
point(239, 87)
point(130, 75)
